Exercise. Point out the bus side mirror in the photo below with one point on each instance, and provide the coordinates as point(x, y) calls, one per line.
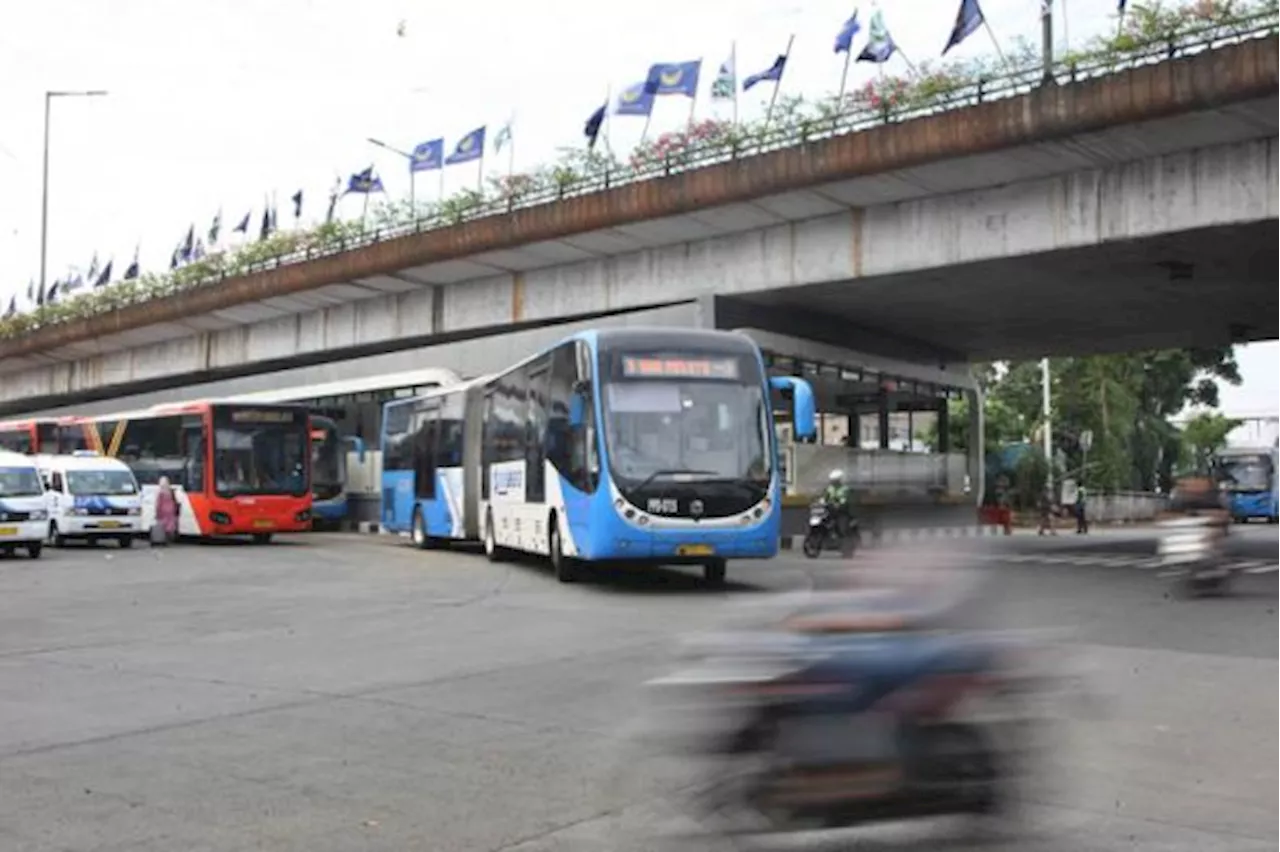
point(803, 409)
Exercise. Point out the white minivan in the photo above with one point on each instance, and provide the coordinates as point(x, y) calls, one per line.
point(24, 520)
point(91, 497)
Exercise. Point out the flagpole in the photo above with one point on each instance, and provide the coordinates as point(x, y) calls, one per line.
point(844, 75)
point(480, 174)
point(413, 192)
point(1004, 59)
point(607, 122)
point(511, 149)
point(733, 68)
point(768, 116)
point(693, 99)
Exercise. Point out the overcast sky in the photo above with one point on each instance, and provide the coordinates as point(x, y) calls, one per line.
point(222, 103)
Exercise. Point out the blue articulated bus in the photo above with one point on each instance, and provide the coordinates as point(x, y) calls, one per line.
point(1249, 477)
point(632, 445)
point(329, 470)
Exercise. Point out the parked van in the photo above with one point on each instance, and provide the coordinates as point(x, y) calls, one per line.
point(24, 519)
point(91, 497)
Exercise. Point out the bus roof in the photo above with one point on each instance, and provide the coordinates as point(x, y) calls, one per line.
point(438, 376)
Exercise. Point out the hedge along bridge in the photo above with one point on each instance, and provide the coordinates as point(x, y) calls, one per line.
point(945, 233)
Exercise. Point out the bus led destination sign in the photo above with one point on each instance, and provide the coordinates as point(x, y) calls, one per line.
point(634, 367)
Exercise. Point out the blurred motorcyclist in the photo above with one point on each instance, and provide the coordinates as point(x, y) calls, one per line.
point(836, 497)
point(1202, 497)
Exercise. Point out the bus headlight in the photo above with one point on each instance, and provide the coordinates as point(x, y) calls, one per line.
point(135, 510)
point(78, 511)
point(38, 515)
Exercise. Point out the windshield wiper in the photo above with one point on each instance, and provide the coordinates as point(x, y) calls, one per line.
point(651, 477)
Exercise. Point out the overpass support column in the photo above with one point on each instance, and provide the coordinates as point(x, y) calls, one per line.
point(944, 424)
point(977, 445)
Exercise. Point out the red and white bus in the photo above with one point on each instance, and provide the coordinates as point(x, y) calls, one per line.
point(32, 437)
point(238, 469)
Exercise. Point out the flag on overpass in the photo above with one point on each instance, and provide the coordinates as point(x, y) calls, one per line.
point(243, 227)
point(592, 128)
point(364, 182)
point(880, 45)
point(673, 78)
point(503, 137)
point(13, 307)
point(296, 198)
point(968, 19)
point(725, 85)
point(134, 269)
point(844, 38)
point(105, 278)
point(215, 229)
point(427, 156)
point(772, 74)
point(468, 149)
point(634, 100)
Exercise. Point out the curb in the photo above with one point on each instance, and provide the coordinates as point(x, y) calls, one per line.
point(794, 542)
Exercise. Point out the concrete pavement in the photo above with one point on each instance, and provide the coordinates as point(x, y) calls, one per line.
point(348, 693)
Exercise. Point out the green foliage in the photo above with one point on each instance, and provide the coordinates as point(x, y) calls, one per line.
point(1146, 28)
point(1205, 434)
point(1126, 401)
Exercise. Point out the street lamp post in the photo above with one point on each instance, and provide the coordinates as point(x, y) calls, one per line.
point(413, 176)
point(44, 198)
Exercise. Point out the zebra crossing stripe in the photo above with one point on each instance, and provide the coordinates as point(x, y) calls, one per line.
point(1259, 566)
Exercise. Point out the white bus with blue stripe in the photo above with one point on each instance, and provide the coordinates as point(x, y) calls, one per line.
point(630, 445)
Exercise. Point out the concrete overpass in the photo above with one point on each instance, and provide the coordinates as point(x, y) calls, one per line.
point(1137, 209)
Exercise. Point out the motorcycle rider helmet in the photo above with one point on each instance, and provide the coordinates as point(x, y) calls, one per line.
point(836, 475)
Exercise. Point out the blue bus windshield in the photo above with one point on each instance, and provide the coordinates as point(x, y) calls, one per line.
point(1246, 473)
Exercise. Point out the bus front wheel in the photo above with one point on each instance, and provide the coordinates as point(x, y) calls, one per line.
point(714, 571)
point(566, 570)
point(262, 538)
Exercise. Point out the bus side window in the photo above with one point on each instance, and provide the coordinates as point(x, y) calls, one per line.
point(193, 441)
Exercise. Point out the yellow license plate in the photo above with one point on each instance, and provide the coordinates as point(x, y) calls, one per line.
point(8, 530)
point(695, 550)
point(109, 525)
point(264, 525)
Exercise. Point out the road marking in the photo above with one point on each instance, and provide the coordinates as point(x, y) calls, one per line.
point(1258, 566)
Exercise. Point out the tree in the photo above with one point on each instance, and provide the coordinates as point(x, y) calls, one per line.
point(1205, 434)
point(1126, 401)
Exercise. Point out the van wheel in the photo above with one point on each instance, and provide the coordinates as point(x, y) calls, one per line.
point(125, 541)
point(418, 531)
point(491, 549)
point(56, 538)
point(33, 549)
point(566, 569)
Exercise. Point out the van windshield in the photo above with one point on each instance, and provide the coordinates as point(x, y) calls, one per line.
point(109, 483)
point(20, 482)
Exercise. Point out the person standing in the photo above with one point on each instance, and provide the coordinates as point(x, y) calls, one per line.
point(166, 513)
point(1082, 520)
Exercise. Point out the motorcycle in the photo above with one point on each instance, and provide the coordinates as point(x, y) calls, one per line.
point(817, 729)
point(1190, 553)
point(824, 532)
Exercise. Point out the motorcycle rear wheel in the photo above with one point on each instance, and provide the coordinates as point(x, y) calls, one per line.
point(813, 545)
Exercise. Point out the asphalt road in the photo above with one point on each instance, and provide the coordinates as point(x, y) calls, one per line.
point(344, 693)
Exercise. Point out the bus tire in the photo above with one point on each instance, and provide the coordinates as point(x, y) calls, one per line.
point(418, 531)
point(566, 569)
point(491, 550)
point(262, 538)
point(125, 541)
point(713, 571)
point(33, 549)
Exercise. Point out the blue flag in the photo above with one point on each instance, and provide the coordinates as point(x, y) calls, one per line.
point(673, 78)
point(634, 100)
point(469, 147)
point(968, 19)
point(427, 156)
point(243, 227)
point(844, 38)
point(364, 182)
point(592, 128)
point(771, 74)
